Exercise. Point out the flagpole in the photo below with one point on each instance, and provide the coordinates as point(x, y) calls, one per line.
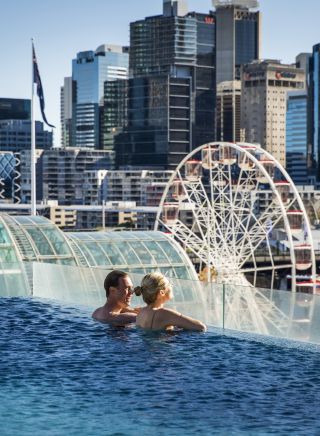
point(33, 144)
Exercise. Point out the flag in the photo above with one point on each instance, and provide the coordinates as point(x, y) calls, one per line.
point(37, 81)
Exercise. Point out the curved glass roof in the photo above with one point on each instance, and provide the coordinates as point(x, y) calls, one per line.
point(35, 238)
point(38, 239)
point(12, 275)
point(135, 251)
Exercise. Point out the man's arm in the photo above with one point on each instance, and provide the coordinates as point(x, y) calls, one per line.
point(122, 318)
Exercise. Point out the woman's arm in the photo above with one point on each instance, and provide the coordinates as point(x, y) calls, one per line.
point(170, 317)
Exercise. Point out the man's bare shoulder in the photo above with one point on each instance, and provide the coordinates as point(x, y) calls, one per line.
point(102, 315)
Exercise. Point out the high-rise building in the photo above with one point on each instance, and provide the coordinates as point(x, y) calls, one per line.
point(171, 92)
point(15, 135)
point(237, 36)
point(66, 95)
point(84, 96)
point(15, 109)
point(302, 61)
point(264, 103)
point(237, 42)
point(9, 177)
point(174, 58)
point(228, 111)
point(65, 175)
point(15, 127)
point(314, 115)
point(114, 111)
point(296, 136)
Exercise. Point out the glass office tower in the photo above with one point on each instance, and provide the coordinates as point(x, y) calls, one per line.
point(171, 92)
point(238, 43)
point(238, 36)
point(89, 72)
point(296, 136)
point(314, 115)
point(15, 109)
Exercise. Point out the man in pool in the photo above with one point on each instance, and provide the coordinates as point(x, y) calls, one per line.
point(117, 310)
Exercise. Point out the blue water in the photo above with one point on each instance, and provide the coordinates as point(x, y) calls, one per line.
point(64, 374)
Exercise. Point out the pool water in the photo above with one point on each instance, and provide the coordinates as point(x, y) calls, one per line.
point(61, 373)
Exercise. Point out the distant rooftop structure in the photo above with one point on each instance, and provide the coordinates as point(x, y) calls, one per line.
point(176, 8)
point(250, 4)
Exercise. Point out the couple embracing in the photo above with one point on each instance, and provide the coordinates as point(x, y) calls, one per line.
point(155, 290)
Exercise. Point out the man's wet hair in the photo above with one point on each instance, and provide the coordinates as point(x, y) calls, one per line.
point(112, 279)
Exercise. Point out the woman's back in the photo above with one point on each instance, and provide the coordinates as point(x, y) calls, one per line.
point(156, 290)
point(164, 319)
point(146, 318)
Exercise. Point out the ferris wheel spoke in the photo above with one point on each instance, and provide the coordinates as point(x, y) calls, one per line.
point(261, 227)
point(189, 239)
point(266, 268)
point(200, 208)
point(197, 202)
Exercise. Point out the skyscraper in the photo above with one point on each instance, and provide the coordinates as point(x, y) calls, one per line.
point(238, 36)
point(228, 111)
point(15, 109)
point(296, 136)
point(171, 92)
point(66, 95)
point(15, 135)
point(264, 103)
point(90, 70)
point(314, 115)
point(237, 43)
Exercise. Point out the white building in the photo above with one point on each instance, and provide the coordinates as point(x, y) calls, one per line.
point(264, 103)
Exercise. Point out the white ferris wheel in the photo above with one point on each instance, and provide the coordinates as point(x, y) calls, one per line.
point(234, 208)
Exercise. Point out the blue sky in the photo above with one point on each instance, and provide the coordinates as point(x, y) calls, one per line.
point(61, 28)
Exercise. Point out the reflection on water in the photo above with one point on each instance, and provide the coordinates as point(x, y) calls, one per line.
point(64, 373)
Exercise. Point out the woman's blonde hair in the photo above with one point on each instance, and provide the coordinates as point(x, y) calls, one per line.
point(150, 286)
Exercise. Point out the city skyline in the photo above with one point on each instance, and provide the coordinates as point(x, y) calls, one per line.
point(62, 30)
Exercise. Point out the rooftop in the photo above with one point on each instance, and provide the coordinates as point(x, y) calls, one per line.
point(247, 4)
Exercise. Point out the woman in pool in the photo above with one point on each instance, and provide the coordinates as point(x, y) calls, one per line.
point(157, 290)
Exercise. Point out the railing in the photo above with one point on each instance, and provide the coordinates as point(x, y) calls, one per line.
point(261, 311)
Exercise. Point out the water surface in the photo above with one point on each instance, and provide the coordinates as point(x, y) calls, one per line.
point(61, 373)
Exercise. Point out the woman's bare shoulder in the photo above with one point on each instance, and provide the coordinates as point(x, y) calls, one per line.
point(167, 313)
point(164, 311)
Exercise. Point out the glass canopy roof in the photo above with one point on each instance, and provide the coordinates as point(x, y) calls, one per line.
point(12, 276)
point(36, 239)
point(135, 252)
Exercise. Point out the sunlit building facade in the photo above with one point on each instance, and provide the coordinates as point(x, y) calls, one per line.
point(85, 93)
point(265, 85)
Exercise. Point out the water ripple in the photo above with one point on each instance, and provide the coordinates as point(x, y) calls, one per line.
point(63, 373)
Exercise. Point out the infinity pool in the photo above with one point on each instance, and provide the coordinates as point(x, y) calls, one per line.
point(64, 374)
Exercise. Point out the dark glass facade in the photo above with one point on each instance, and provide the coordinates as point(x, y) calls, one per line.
point(296, 137)
point(246, 38)
point(314, 115)
point(15, 109)
point(171, 95)
point(114, 113)
point(15, 135)
point(238, 40)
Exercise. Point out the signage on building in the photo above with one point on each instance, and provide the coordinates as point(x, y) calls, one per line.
point(209, 20)
point(285, 75)
point(254, 75)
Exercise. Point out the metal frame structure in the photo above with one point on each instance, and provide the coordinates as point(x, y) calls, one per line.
point(211, 206)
